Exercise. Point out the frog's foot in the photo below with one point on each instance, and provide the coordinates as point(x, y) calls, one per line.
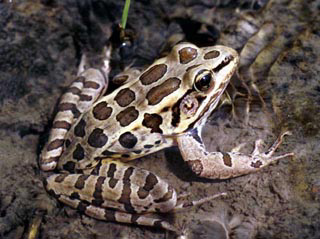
point(89, 85)
point(187, 205)
point(225, 165)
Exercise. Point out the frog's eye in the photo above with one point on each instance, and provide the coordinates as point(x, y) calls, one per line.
point(204, 81)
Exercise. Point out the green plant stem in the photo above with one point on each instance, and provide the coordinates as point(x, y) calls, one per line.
point(125, 14)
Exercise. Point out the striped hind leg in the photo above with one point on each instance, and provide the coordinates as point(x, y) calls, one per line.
point(89, 85)
point(118, 192)
point(111, 215)
point(106, 214)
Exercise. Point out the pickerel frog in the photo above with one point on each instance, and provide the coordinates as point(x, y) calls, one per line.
point(167, 104)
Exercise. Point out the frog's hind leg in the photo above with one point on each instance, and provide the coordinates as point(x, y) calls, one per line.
point(116, 192)
point(111, 215)
point(130, 218)
point(89, 85)
point(219, 165)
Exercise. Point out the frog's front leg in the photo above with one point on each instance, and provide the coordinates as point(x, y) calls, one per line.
point(89, 85)
point(219, 165)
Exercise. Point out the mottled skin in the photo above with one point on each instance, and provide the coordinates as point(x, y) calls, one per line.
point(166, 104)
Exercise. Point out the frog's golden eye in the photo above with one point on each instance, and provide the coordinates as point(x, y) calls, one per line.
point(204, 81)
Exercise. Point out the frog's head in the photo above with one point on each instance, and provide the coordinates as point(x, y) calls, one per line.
point(206, 77)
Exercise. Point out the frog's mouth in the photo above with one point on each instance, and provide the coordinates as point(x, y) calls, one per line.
point(209, 107)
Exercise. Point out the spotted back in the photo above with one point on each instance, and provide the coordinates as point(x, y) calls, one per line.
point(170, 97)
